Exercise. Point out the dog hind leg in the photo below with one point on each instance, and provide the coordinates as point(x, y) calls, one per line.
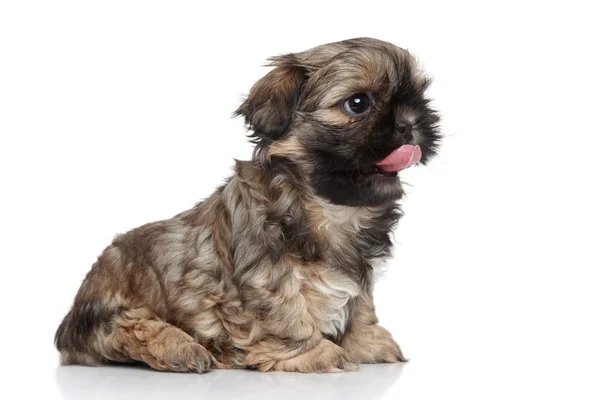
point(131, 335)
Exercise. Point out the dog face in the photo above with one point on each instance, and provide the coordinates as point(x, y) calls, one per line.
point(349, 115)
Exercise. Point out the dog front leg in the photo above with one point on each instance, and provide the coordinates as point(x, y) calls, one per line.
point(314, 355)
point(284, 335)
point(366, 341)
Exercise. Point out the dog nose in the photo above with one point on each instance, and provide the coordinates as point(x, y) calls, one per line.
point(404, 128)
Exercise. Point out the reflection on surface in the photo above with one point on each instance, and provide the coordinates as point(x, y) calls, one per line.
point(119, 382)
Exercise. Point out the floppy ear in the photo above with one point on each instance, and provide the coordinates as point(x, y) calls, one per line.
point(269, 107)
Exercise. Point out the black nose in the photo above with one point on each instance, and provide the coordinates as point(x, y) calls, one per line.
point(404, 128)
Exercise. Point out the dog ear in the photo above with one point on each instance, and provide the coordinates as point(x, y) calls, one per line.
point(270, 105)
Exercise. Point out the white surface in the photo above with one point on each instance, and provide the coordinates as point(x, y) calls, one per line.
point(117, 113)
point(374, 381)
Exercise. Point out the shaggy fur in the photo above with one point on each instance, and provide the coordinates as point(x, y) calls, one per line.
point(273, 271)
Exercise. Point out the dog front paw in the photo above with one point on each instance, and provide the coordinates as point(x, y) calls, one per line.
point(373, 345)
point(325, 357)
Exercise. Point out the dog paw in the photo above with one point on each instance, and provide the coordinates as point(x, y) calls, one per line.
point(324, 358)
point(335, 359)
point(186, 357)
point(374, 345)
point(387, 352)
point(193, 358)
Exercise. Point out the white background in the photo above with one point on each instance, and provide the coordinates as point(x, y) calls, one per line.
point(117, 113)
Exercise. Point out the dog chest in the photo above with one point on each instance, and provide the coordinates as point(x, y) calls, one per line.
point(327, 293)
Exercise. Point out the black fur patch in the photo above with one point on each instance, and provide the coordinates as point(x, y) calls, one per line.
point(343, 168)
point(84, 318)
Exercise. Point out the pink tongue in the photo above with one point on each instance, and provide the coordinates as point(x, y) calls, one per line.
point(402, 157)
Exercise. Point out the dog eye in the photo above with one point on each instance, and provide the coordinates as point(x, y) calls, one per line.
point(357, 104)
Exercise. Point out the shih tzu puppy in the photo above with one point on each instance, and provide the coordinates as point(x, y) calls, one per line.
point(273, 271)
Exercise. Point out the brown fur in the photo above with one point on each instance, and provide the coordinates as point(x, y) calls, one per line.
point(264, 273)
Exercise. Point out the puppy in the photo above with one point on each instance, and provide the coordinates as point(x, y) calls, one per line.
point(273, 271)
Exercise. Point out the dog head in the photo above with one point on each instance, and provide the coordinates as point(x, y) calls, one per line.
point(349, 115)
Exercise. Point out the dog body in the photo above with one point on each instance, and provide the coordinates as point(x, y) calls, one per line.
point(274, 271)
